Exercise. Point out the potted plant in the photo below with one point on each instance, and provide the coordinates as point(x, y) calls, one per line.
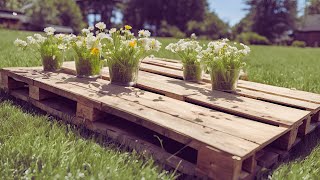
point(88, 51)
point(224, 62)
point(124, 53)
point(188, 50)
point(51, 48)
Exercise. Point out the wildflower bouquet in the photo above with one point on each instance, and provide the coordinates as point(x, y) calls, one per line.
point(124, 53)
point(88, 49)
point(51, 47)
point(188, 50)
point(224, 62)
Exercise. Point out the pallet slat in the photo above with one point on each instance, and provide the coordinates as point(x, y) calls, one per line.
point(201, 94)
point(111, 103)
point(263, 88)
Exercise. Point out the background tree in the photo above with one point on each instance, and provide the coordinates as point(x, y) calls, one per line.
point(272, 18)
point(243, 26)
point(313, 7)
point(104, 8)
point(142, 13)
point(212, 27)
point(14, 5)
point(58, 12)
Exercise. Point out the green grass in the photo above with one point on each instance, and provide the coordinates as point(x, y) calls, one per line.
point(36, 144)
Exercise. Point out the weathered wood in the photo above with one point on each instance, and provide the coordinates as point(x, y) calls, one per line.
point(287, 101)
point(226, 144)
point(174, 70)
point(283, 154)
point(314, 125)
point(128, 138)
point(177, 128)
point(285, 92)
point(223, 122)
point(218, 166)
point(268, 159)
point(39, 94)
point(305, 128)
point(88, 113)
point(316, 117)
point(8, 83)
point(202, 95)
point(21, 94)
point(250, 164)
point(287, 141)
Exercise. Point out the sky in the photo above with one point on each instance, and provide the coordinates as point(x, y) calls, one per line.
point(232, 11)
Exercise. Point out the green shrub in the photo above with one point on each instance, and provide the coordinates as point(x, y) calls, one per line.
point(168, 30)
point(252, 38)
point(301, 44)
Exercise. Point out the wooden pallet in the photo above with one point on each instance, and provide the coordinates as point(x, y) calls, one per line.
point(223, 134)
point(277, 95)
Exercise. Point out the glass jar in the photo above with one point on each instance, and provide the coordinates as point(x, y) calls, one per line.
point(192, 72)
point(224, 79)
point(123, 75)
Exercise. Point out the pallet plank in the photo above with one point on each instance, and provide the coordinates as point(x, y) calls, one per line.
point(218, 166)
point(202, 95)
point(176, 125)
point(124, 136)
point(148, 65)
point(223, 122)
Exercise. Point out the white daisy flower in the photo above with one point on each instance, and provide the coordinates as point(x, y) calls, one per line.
point(112, 30)
point(49, 31)
point(85, 31)
point(31, 40)
point(91, 28)
point(79, 43)
point(154, 44)
point(101, 25)
point(60, 36)
point(20, 43)
point(144, 33)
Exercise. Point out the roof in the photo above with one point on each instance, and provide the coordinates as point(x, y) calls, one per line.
point(310, 23)
point(13, 15)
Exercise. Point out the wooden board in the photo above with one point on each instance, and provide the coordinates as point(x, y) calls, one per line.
point(202, 95)
point(149, 65)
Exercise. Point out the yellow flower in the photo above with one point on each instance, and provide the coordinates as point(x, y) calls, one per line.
point(94, 51)
point(132, 43)
point(127, 27)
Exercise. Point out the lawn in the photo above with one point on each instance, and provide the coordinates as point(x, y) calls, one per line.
point(34, 145)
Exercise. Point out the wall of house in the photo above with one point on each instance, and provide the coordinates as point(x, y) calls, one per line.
point(311, 38)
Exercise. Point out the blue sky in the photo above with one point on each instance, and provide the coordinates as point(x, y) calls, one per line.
point(232, 10)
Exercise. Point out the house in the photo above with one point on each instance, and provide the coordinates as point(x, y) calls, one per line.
point(309, 30)
point(13, 19)
point(18, 20)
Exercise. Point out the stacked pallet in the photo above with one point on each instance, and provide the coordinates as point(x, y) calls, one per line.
point(201, 132)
